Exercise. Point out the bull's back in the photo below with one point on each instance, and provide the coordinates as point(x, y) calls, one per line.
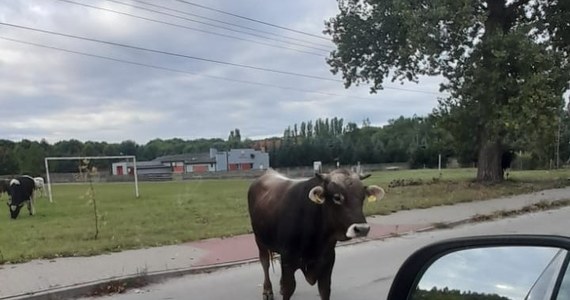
point(280, 209)
point(267, 197)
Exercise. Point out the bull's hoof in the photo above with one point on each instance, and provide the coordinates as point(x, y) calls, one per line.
point(267, 295)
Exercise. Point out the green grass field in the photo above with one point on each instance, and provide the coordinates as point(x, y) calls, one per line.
point(175, 212)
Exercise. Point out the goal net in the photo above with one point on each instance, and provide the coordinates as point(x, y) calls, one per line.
point(89, 158)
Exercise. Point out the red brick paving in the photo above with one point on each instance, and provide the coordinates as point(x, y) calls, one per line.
point(242, 247)
point(236, 248)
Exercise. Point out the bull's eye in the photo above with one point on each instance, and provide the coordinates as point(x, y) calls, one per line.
point(338, 199)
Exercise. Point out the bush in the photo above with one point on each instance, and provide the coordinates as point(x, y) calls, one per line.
point(526, 161)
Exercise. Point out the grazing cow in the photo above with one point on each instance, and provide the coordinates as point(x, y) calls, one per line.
point(303, 219)
point(21, 190)
point(39, 185)
point(506, 160)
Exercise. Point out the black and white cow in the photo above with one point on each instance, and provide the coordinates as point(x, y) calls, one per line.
point(20, 192)
point(40, 184)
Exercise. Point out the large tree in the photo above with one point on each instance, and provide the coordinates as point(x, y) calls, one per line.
point(505, 62)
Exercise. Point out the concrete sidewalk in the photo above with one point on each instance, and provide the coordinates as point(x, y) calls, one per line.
point(66, 277)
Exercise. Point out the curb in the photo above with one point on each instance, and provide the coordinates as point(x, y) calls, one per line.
point(92, 288)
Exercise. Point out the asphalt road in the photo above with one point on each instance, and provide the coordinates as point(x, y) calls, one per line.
point(362, 271)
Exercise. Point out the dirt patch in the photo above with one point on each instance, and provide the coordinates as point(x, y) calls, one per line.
point(540, 206)
point(119, 286)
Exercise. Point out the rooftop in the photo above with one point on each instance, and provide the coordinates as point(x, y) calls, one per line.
point(188, 158)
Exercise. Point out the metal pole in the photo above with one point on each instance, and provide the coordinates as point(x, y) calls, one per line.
point(558, 143)
point(136, 177)
point(48, 179)
point(92, 157)
point(439, 165)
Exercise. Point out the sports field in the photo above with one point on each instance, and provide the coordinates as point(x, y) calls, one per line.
point(175, 212)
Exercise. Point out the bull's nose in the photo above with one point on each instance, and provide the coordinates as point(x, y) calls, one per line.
point(357, 230)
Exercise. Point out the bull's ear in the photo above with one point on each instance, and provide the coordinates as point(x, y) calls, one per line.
point(316, 195)
point(364, 176)
point(374, 193)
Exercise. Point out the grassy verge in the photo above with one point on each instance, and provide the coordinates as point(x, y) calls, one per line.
point(175, 212)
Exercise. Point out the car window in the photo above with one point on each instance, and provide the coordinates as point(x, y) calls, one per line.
point(564, 291)
point(544, 285)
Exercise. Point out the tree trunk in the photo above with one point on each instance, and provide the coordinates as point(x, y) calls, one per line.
point(489, 169)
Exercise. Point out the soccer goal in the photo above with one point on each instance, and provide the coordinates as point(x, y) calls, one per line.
point(81, 158)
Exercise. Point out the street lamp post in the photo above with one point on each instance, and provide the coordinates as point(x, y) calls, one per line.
point(560, 132)
point(558, 142)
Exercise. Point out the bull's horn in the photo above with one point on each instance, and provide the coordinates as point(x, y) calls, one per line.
point(322, 176)
point(364, 176)
point(316, 195)
point(375, 193)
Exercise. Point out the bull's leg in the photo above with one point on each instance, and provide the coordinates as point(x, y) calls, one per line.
point(264, 258)
point(288, 283)
point(324, 281)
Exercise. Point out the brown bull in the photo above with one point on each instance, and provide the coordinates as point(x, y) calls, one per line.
point(302, 220)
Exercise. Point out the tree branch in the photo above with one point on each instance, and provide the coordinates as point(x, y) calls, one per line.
point(515, 6)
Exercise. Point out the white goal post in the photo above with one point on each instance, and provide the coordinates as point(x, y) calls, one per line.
point(81, 158)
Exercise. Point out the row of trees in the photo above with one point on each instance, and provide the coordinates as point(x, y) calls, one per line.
point(453, 294)
point(27, 157)
point(417, 140)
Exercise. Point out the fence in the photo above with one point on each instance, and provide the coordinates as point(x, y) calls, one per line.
point(295, 172)
point(519, 163)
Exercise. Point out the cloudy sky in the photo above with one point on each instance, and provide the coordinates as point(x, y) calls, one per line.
point(505, 271)
point(57, 95)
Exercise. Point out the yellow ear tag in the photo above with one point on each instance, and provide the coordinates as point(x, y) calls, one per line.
point(372, 198)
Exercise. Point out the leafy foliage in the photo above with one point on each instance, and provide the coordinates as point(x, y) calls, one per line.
point(505, 63)
point(417, 140)
point(27, 157)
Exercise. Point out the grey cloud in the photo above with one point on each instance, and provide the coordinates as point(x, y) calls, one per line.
point(44, 90)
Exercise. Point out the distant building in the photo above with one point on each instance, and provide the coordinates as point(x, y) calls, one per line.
point(189, 163)
point(247, 159)
point(213, 161)
point(143, 167)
